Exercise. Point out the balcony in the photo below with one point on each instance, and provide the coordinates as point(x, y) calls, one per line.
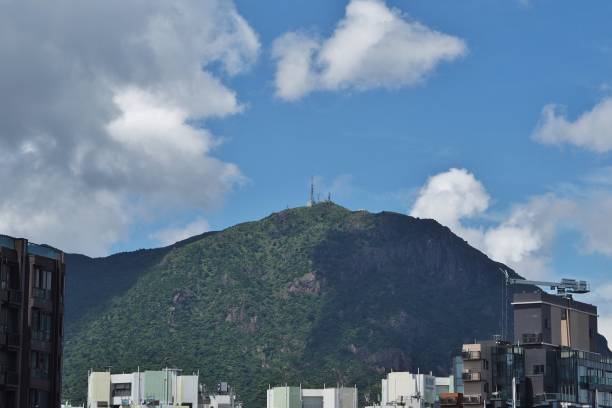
point(15, 296)
point(545, 398)
point(40, 373)
point(41, 294)
point(472, 399)
point(532, 338)
point(593, 381)
point(3, 331)
point(470, 355)
point(13, 340)
point(42, 336)
point(471, 376)
point(41, 340)
point(8, 377)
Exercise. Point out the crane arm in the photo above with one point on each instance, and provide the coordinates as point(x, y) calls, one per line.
point(565, 286)
point(513, 281)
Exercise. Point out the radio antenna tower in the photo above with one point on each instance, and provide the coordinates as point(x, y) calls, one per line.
point(311, 202)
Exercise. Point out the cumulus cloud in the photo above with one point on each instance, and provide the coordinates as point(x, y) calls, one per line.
point(524, 237)
point(451, 196)
point(592, 130)
point(169, 236)
point(372, 46)
point(103, 113)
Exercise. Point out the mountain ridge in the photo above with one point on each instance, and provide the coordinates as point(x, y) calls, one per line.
point(306, 295)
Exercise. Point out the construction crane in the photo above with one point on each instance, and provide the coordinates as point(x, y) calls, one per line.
point(566, 288)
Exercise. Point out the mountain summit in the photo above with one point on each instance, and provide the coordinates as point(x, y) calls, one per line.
point(308, 295)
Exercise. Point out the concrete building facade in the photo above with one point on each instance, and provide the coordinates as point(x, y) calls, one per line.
point(553, 359)
point(164, 388)
point(409, 390)
point(297, 397)
point(32, 279)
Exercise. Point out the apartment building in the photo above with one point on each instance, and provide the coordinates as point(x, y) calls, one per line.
point(32, 279)
point(163, 388)
point(553, 360)
point(297, 397)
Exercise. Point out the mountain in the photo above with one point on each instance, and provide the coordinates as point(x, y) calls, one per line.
point(308, 295)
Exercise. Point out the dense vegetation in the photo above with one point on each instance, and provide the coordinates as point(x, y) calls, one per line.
point(307, 295)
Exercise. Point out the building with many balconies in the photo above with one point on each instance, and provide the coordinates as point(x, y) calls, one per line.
point(554, 359)
point(31, 323)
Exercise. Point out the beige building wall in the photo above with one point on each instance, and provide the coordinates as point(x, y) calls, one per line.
point(98, 389)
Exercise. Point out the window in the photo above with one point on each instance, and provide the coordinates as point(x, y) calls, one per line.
point(539, 369)
point(546, 325)
point(42, 279)
point(40, 364)
point(42, 325)
point(3, 320)
point(4, 276)
point(9, 275)
point(42, 284)
point(121, 389)
point(39, 398)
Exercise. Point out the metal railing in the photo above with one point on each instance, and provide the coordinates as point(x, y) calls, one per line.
point(13, 339)
point(472, 399)
point(542, 398)
point(8, 377)
point(531, 338)
point(15, 296)
point(470, 355)
point(42, 336)
point(594, 380)
point(471, 376)
point(40, 373)
point(42, 294)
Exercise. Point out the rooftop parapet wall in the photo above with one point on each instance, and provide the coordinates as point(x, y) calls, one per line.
point(541, 297)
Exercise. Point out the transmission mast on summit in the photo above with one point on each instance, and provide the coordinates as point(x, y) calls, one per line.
point(311, 201)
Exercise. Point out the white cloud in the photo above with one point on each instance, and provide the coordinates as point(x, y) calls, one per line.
point(451, 196)
point(454, 196)
point(103, 113)
point(602, 298)
point(372, 46)
point(169, 236)
point(522, 239)
point(592, 130)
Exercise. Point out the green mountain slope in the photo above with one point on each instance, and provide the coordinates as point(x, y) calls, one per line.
point(308, 295)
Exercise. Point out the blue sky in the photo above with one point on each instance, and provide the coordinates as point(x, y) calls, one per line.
point(173, 120)
point(477, 113)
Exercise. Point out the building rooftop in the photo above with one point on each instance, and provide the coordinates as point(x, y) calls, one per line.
point(542, 297)
point(46, 251)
